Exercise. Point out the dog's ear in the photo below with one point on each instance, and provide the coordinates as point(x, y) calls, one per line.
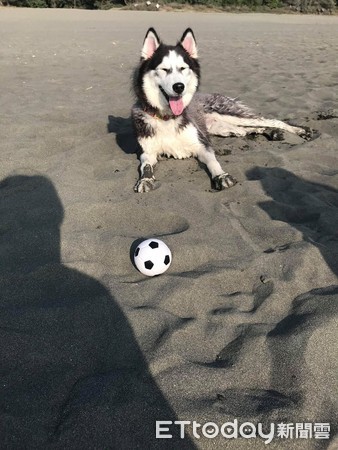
point(150, 44)
point(188, 42)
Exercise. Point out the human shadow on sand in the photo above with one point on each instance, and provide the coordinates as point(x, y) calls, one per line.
point(311, 208)
point(72, 373)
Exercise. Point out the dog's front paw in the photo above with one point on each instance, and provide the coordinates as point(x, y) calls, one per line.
point(224, 181)
point(145, 185)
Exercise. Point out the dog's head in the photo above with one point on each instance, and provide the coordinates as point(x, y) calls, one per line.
point(168, 75)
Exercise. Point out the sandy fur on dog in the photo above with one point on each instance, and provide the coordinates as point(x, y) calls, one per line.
point(243, 324)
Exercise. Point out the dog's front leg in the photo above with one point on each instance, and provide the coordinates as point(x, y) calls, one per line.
point(146, 181)
point(220, 179)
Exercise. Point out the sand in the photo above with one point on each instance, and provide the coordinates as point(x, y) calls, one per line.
point(243, 325)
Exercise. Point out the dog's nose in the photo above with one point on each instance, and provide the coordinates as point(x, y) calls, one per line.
point(178, 88)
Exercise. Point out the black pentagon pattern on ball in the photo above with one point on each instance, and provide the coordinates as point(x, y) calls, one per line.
point(167, 260)
point(137, 251)
point(153, 244)
point(148, 265)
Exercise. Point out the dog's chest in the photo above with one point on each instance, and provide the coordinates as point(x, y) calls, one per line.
point(171, 138)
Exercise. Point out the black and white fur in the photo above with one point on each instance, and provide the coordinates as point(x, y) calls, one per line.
point(167, 76)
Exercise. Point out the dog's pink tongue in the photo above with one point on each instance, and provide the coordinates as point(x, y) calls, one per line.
point(176, 105)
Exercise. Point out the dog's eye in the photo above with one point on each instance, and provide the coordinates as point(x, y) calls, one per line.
point(183, 68)
point(165, 70)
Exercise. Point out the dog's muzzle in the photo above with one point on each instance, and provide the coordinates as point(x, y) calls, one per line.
point(175, 102)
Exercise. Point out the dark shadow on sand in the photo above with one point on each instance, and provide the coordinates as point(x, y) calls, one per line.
point(288, 343)
point(125, 134)
point(311, 208)
point(72, 373)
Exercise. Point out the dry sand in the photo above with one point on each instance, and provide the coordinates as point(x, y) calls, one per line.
point(243, 324)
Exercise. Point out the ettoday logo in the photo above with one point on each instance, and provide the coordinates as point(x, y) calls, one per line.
point(210, 430)
point(246, 430)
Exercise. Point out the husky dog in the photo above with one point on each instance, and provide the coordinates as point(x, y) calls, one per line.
point(170, 118)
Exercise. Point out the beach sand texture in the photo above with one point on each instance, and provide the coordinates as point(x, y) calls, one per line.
point(243, 325)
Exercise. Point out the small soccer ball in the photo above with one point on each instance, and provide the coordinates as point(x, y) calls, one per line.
point(152, 257)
